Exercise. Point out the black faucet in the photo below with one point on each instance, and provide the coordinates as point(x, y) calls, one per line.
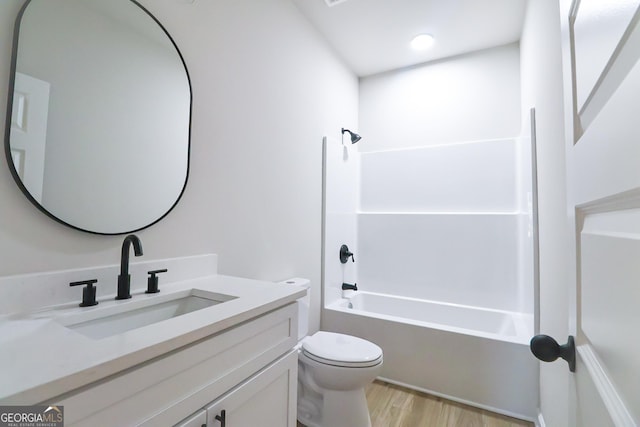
point(124, 279)
point(349, 286)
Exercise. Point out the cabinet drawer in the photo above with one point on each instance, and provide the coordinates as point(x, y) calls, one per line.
point(185, 380)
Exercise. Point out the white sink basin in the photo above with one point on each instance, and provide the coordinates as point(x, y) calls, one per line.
point(117, 319)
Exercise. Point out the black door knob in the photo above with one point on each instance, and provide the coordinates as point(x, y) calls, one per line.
point(547, 349)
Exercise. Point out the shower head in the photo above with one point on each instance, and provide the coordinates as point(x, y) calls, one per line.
point(354, 136)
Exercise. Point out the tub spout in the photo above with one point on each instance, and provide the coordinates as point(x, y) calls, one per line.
point(348, 286)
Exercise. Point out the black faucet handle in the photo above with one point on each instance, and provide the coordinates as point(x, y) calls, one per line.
point(88, 293)
point(152, 281)
point(345, 254)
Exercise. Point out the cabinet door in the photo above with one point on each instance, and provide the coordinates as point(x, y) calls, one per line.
point(199, 419)
point(267, 399)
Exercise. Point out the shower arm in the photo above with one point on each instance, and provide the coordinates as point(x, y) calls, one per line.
point(354, 136)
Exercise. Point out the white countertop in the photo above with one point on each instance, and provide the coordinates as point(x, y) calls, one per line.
point(40, 358)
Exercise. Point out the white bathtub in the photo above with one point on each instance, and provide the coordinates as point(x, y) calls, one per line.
point(496, 324)
point(467, 354)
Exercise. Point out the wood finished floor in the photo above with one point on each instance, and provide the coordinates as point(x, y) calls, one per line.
point(393, 406)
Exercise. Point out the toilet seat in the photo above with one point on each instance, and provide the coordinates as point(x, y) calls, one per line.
point(341, 350)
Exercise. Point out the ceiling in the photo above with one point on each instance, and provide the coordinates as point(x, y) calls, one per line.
point(373, 36)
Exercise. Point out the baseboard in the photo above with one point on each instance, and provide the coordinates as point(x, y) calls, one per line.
point(540, 420)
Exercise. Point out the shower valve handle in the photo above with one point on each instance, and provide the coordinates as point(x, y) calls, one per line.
point(345, 254)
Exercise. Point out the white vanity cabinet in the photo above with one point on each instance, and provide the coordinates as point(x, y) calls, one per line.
point(267, 399)
point(198, 419)
point(248, 370)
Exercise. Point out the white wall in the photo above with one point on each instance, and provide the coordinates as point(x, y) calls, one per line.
point(266, 89)
point(542, 88)
point(464, 98)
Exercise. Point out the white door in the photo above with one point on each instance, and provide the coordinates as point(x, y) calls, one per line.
point(602, 41)
point(29, 131)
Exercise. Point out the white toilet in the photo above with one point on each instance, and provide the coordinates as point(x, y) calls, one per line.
point(333, 370)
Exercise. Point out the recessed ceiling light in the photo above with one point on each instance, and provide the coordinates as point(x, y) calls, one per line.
point(422, 42)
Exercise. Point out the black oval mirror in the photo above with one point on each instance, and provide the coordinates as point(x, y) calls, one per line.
point(99, 114)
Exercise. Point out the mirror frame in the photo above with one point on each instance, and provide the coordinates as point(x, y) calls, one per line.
point(9, 116)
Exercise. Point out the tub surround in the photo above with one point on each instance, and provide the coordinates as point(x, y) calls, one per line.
point(444, 265)
point(40, 358)
point(457, 218)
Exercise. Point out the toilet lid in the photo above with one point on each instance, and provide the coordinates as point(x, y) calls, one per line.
point(341, 350)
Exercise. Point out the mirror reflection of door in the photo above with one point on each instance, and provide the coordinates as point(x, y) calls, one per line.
point(29, 131)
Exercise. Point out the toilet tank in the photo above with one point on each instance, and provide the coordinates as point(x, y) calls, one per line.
point(303, 304)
